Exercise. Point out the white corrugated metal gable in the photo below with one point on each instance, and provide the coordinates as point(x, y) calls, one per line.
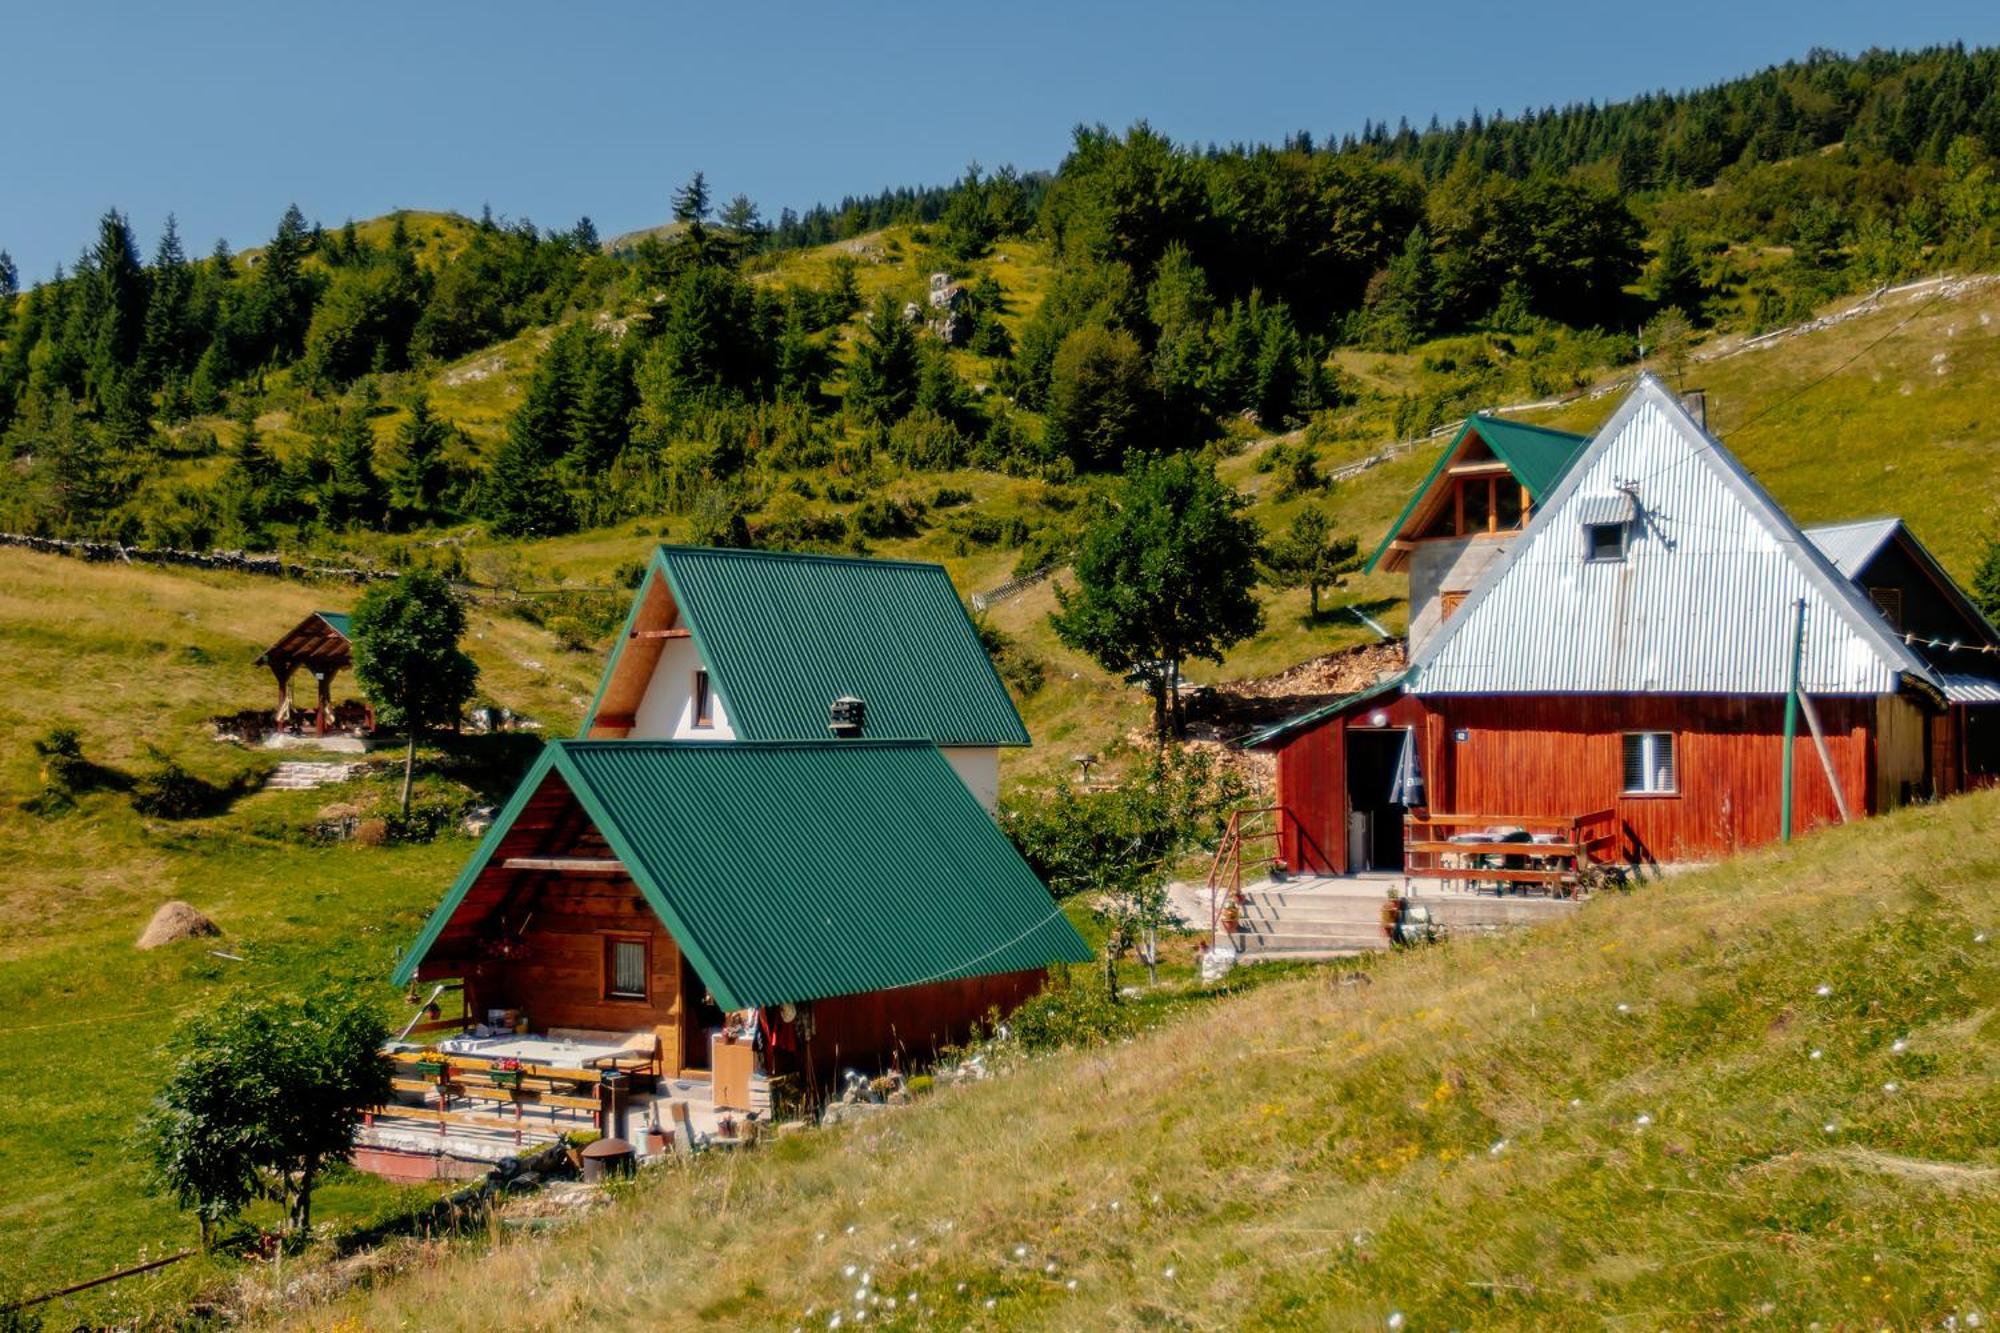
point(1702, 603)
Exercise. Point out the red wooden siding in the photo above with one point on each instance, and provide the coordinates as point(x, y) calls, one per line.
point(1562, 755)
point(1312, 787)
point(1536, 755)
point(908, 1025)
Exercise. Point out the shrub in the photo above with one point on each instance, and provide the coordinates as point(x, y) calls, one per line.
point(1068, 1014)
point(167, 790)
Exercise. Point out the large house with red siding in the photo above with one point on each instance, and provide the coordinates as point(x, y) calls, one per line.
point(1621, 668)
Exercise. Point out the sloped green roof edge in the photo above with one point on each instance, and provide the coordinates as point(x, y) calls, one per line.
point(1279, 730)
point(654, 568)
point(973, 706)
point(339, 620)
point(975, 709)
point(1522, 447)
point(875, 868)
point(406, 967)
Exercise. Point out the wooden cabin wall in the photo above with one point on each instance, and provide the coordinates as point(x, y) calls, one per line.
point(1312, 787)
point(1547, 755)
point(910, 1024)
point(1899, 751)
point(561, 978)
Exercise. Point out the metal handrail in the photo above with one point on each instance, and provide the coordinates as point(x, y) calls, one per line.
point(1228, 863)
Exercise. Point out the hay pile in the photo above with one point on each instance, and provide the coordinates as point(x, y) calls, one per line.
point(175, 921)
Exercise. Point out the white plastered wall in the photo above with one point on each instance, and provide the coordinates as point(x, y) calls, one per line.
point(667, 710)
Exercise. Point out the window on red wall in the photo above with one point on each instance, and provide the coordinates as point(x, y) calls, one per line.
point(1649, 763)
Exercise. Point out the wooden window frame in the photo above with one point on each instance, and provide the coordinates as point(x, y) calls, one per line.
point(1889, 601)
point(701, 702)
point(1449, 602)
point(610, 964)
point(1674, 760)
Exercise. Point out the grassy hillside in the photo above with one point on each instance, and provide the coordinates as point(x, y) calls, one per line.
point(1762, 1094)
point(134, 657)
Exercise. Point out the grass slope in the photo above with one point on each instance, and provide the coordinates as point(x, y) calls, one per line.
point(133, 657)
point(1684, 1106)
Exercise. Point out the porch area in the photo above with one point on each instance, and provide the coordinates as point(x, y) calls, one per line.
point(469, 1102)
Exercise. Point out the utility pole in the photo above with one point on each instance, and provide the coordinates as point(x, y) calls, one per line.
point(1791, 724)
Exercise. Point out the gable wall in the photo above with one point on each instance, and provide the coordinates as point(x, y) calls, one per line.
point(666, 712)
point(1701, 605)
point(560, 979)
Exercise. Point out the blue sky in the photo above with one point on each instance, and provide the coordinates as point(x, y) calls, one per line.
point(224, 113)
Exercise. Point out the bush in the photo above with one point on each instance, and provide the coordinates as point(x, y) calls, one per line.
point(1067, 1013)
point(883, 517)
point(167, 790)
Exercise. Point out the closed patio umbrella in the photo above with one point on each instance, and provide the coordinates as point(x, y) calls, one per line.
point(1408, 787)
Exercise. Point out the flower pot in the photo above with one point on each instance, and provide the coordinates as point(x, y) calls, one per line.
point(507, 1078)
point(432, 1069)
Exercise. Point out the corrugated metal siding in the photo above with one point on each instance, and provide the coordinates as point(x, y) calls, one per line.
point(786, 635)
point(799, 871)
point(1964, 688)
point(1702, 604)
point(1850, 545)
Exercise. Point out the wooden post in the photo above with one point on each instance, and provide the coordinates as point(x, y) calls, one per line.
point(1791, 726)
point(325, 698)
point(1825, 756)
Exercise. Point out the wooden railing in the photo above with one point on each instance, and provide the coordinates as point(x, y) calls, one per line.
point(1264, 824)
point(1560, 852)
point(549, 1091)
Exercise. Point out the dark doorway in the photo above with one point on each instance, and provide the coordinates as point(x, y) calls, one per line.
point(701, 1018)
point(1375, 823)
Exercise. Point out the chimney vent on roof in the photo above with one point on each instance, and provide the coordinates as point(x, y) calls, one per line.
point(1696, 402)
point(846, 717)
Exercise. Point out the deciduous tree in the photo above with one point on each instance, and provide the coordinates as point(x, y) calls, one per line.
point(1166, 574)
point(407, 658)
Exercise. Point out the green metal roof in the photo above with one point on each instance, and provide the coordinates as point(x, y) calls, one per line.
point(337, 619)
point(1536, 455)
point(1279, 730)
point(801, 870)
point(783, 635)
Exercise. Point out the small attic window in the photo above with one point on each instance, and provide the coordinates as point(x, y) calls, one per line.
point(1604, 541)
point(704, 700)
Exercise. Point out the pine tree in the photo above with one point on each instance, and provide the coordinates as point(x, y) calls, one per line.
point(691, 201)
point(1676, 277)
point(882, 373)
point(421, 472)
point(354, 495)
point(164, 349)
point(111, 312)
point(1310, 556)
point(1986, 580)
point(10, 289)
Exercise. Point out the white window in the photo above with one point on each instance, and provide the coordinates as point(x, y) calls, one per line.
point(704, 702)
point(625, 969)
point(1649, 763)
point(1604, 541)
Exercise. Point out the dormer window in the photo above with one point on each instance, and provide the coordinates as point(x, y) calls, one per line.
point(703, 708)
point(1604, 541)
point(1607, 524)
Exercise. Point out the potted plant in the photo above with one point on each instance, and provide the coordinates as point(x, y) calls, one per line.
point(431, 1064)
point(506, 1073)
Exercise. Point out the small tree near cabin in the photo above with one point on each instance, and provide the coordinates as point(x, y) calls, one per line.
point(262, 1096)
point(1166, 575)
point(407, 658)
point(1117, 848)
point(1310, 556)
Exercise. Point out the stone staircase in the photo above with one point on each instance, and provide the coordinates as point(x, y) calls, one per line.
point(1280, 923)
point(293, 775)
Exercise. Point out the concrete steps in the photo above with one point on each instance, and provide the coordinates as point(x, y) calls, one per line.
point(294, 775)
